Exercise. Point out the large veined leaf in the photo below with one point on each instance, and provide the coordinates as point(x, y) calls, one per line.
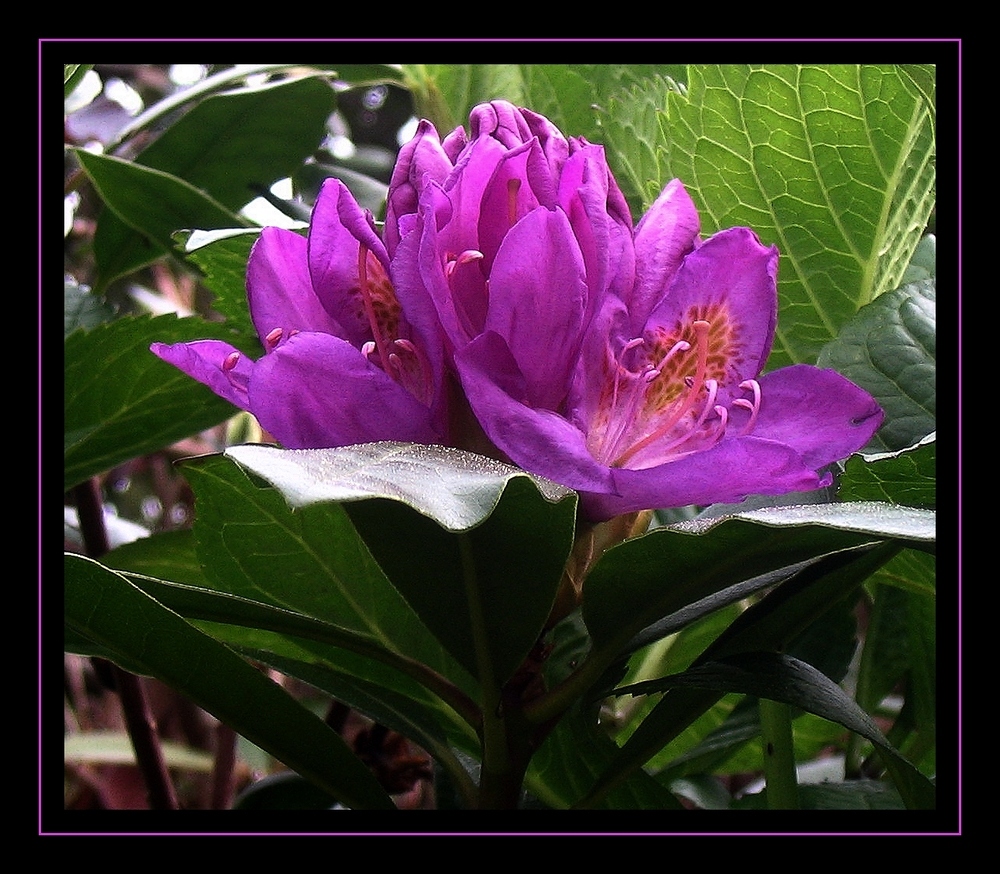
point(103, 606)
point(833, 163)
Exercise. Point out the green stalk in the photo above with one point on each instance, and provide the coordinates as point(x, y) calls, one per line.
point(496, 762)
point(779, 755)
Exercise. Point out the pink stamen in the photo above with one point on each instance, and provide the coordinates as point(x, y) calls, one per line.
point(753, 406)
point(273, 337)
point(229, 362)
point(701, 329)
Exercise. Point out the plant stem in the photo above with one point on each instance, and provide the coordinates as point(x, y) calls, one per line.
point(138, 717)
point(779, 755)
point(505, 756)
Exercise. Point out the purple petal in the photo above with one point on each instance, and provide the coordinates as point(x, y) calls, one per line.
point(819, 413)
point(317, 391)
point(601, 222)
point(279, 289)
point(422, 158)
point(538, 297)
point(338, 226)
point(730, 281)
point(203, 360)
point(537, 440)
point(728, 473)
point(665, 234)
point(514, 189)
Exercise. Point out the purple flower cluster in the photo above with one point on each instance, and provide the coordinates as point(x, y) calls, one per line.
point(510, 307)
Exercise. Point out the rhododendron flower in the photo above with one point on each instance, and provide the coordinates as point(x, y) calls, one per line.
point(509, 222)
point(347, 359)
point(666, 404)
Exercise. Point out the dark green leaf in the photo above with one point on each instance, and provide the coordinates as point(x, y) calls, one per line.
point(441, 523)
point(770, 624)
point(574, 754)
point(889, 348)
point(252, 544)
point(104, 607)
point(231, 144)
point(906, 477)
point(779, 677)
point(122, 401)
point(852, 795)
point(650, 577)
point(224, 149)
point(152, 202)
point(393, 689)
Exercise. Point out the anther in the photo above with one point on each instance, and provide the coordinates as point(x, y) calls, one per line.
point(230, 361)
point(273, 337)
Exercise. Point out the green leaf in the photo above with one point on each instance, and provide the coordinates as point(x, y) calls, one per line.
point(103, 606)
point(440, 523)
point(231, 144)
point(852, 795)
point(769, 624)
point(779, 677)
point(444, 93)
point(630, 128)
point(649, 577)
point(224, 150)
point(458, 490)
point(572, 757)
point(221, 256)
point(81, 309)
point(152, 202)
point(393, 689)
point(833, 163)
point(889, 348)
point(906, 477)
point(122, 401)
point(254, 545)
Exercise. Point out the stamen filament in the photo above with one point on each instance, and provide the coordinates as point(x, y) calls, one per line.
point(701, 328)
point(753, 406)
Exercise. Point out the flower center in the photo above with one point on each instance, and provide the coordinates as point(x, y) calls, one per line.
point(397, 356)
point(659, 412)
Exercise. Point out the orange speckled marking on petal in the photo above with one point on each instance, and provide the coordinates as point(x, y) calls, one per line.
point(723, 353)
point(382, 298)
